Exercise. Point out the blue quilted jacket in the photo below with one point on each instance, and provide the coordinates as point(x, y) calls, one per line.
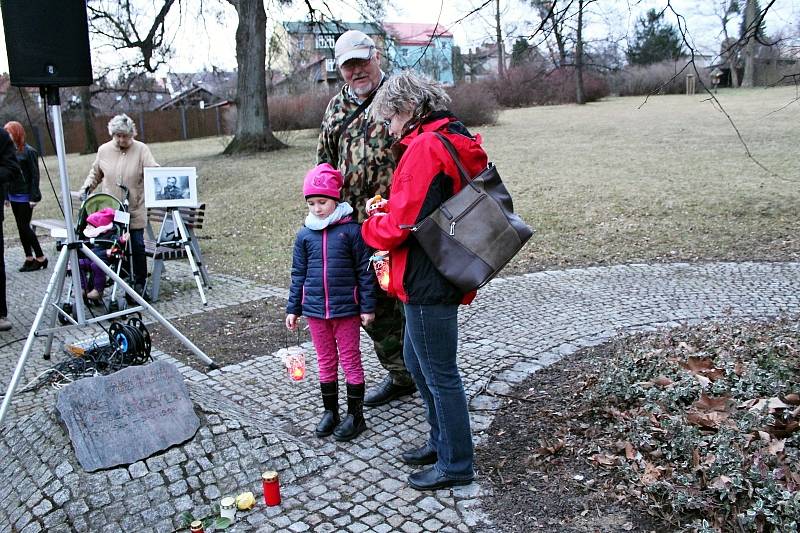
point(331, 274)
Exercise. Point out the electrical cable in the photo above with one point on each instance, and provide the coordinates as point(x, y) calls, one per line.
point(52, 142)
point(128, 344)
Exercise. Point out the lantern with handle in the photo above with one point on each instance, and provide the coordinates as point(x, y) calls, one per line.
point(294, 359)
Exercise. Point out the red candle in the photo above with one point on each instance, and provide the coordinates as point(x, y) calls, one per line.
point(196, 527)
point(272, 489)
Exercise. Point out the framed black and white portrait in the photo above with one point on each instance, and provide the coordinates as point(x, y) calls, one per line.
point(170, 187)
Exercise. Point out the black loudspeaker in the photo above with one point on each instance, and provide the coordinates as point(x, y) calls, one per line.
point(47, 42)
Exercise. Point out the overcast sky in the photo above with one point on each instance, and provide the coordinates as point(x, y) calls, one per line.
point(201, 46)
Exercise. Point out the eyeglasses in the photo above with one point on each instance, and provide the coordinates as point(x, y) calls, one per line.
point(352, 64)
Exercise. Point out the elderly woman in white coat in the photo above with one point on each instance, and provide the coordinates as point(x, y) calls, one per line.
point(121, 161)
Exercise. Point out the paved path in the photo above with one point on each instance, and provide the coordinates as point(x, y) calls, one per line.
point(255, 419)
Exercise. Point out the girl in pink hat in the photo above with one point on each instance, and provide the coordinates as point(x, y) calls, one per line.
point(334, 288)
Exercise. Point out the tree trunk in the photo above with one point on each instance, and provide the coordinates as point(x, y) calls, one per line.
point(90, 144)
point(253, 132)
point(751, 28)
point(580, 95)
point(501, 60)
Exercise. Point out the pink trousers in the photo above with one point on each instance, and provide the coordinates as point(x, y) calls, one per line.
point(337, 340)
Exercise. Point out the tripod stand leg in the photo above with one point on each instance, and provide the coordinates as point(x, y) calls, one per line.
point(61, 264)
point(61, 274)
point(147, 307)
point(176, 214)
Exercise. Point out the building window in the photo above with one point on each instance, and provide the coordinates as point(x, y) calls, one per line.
point(404, 52)
point(330, 65)
point(325, 41)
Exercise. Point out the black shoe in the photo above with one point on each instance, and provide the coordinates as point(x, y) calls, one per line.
point(349, 428)
point(28, 266)
point(386, 392)
point(41, 264)
point(328, 423)
point(330, 400)
point(353, 424)
point(430, 479)
point(420, 456)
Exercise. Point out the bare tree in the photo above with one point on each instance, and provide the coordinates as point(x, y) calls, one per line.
point(253, 132)
point(580, 96)
point(139, 38)
point(730, 46)
point(751, 25)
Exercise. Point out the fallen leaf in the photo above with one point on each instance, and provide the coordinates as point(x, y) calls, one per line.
point(720, 482)
point(604, 459)
point(776, 446)
point(630, 451)
point(651, 474)
point(710, 419)
point(663, 381)
point(707, 403)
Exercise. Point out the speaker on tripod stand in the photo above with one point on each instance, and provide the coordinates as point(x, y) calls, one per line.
point(47, 43)
point(48, 47)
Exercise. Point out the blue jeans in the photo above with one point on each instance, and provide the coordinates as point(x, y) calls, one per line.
point(429, 350)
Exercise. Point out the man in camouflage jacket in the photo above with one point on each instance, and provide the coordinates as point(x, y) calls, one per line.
point(352, 141)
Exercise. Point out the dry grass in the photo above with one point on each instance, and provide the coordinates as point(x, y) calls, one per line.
point(602, 183)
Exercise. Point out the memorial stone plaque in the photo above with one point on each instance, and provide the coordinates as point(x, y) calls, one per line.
point(127, 416)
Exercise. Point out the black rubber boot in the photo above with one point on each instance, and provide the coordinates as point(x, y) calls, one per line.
point(330, 401)
point(353, 424)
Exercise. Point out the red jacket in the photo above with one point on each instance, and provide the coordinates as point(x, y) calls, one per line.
point(425, 177)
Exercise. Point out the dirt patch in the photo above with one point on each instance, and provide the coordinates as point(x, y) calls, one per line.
point(230, 335)
point(534, 458)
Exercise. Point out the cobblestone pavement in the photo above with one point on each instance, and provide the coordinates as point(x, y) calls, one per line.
point(254, 419)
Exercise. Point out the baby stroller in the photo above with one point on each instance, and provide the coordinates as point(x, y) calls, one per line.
point(110, 242)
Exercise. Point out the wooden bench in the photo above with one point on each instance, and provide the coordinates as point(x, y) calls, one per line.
point(57, 224)
point(156, 248)
point(192, 218)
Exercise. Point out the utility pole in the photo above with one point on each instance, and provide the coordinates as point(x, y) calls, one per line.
point(501, 60)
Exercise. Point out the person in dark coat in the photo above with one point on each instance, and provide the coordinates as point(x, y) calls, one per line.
point(9, 171)
point(334, 288)
point(23, 194)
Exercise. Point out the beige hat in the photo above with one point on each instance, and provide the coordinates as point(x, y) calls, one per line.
point(353, 44)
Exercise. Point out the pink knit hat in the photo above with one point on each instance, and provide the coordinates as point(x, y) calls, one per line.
point(323, 180)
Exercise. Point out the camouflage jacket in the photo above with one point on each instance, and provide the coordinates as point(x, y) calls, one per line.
point(362, 153)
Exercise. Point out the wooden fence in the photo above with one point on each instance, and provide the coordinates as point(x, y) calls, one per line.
point(153, 126)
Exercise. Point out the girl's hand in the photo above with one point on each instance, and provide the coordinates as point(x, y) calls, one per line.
point(367, 319)
point(33, 204)
point(291, 322)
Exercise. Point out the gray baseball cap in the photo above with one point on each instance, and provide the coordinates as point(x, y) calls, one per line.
point(353, 44)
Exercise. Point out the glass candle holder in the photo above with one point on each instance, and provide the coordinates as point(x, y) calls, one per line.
point(272, 489)
point(227, 508)
point(380, 262)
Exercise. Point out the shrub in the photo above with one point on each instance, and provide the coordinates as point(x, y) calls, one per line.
point(530, 85)
point(299, 112)
point(474, 103)
point(657, 78)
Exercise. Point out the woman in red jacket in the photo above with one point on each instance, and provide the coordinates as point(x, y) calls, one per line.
point(426, 175)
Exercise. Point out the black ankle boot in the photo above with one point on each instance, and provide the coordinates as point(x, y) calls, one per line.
point(353, 424)
point(330, 401)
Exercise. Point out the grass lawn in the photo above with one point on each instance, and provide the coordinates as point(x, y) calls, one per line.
point(609, 182)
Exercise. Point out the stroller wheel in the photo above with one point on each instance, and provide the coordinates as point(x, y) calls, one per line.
point(67, 308)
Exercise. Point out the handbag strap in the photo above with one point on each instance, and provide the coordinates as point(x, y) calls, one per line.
point(465, 177)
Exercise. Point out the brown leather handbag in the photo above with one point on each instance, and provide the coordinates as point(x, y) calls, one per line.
point(474, 233)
